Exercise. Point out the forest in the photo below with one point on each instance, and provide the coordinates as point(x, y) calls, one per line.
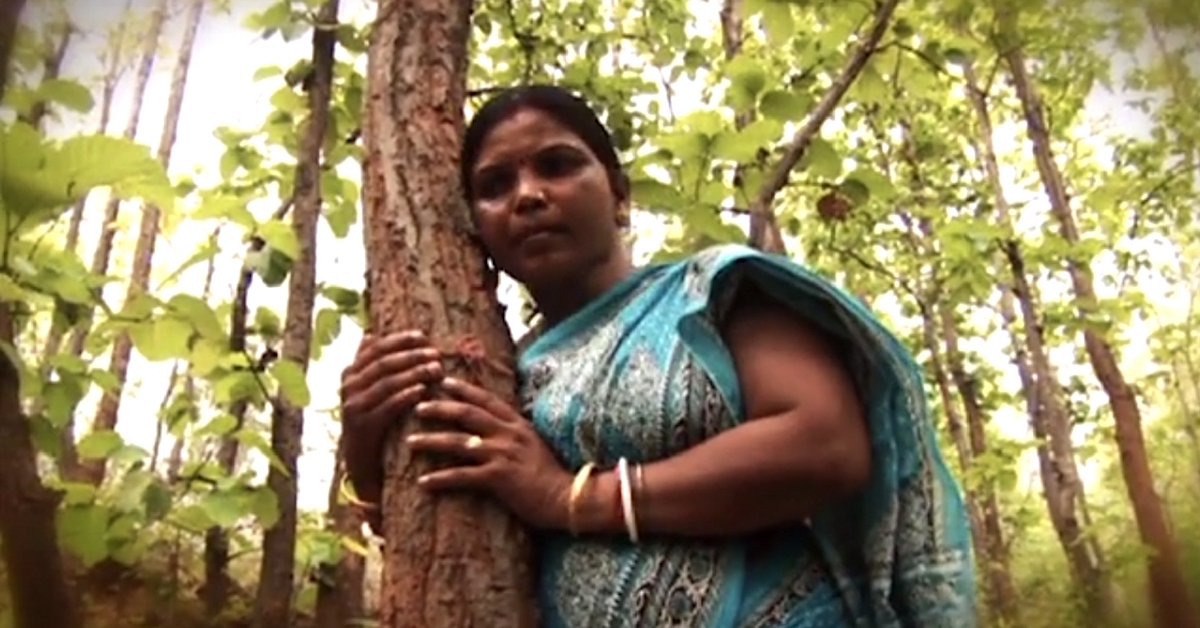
point(1012, 185)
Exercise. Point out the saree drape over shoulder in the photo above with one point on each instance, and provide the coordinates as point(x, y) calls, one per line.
point(642, 372)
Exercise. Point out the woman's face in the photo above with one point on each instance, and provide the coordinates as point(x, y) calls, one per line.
point(544, 205)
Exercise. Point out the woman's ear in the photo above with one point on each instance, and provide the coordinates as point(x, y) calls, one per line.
point(621, 191)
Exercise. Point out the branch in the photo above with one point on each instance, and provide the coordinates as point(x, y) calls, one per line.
point(804, 137)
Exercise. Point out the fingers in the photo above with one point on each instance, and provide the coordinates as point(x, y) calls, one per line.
point(367, 375)
point(416, 371)
point(465, 446)
point(480, 397)
point(463, 415)
point(373, 346)
point(472, 477)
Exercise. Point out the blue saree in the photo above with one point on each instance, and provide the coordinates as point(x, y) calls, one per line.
point(643, 373)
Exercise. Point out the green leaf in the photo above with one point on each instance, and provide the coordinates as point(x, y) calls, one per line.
point(267, 323)
point(870, 87)
point(163, 338)
point(747, 80)
point(856, 191)
point(821, 160)
point(293, 383)
point(657, 196)
point(785, 106)
point(280, 236)
point(326, 327)
point(61, 397)
point(202, 317)
point(346, 299)
point(264, 505)
point(341, 216)
point(266, 72)
point(83, 530)
point(224, 508)
point(69, 94)
point(98, 444)
point(743, 146)
point(157, 500)
point(778, 22)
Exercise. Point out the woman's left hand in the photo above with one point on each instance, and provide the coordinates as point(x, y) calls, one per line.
point(506, 457)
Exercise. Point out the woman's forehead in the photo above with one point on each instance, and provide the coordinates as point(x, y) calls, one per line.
point(522, 133)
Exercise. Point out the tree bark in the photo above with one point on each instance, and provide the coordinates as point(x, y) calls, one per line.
point(1172, 603)
point(454, 561)
point(273, 604)
point(33, 561)
point(1061, 486)
point(93, 471)
point(340, 590)
point(68, 462)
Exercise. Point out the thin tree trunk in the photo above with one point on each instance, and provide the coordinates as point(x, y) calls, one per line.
point(217, 583)
point(143, 256)
point(1168, 589)
point(999, 574)
point(1061, 485)
point(273, 604)
point(159, 426)
point(114, 68)
point(454, 561)
point(340, 590)
point(69, 464)
point(33, 561)
point(771, 239)
point(51, 67)
point(67, 460)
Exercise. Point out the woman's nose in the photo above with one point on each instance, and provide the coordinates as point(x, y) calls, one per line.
point(531, 195)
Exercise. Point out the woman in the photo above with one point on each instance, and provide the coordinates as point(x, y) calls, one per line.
point(724, 442)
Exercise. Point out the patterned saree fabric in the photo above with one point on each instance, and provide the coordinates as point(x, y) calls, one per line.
point(643, 373)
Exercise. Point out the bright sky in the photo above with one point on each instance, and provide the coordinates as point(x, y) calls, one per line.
point(221, 92)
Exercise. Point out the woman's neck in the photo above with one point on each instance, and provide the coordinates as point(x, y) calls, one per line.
point(559, 301)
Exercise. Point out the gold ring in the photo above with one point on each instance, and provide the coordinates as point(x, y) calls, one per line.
point(474, 442)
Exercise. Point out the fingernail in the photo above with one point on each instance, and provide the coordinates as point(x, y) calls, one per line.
point(451, 381)
point(423, 406)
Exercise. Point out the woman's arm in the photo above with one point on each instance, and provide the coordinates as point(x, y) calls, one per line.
point(804, 446)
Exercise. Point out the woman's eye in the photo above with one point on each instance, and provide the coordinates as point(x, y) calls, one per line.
point(493, 185)
point(556, 165)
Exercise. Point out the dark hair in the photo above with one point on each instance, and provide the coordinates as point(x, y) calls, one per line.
point(566, 108)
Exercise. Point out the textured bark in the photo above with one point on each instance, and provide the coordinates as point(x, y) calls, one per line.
point(143, 254)
point(68, 461)
point(1001, 591)
point(452, 561)
point(113, 69)
point(273, 603)
point(1172, 603)
point(340, 600)
point(766, 235)
point(940, 330)
point(33, 561)
point(1059, 471)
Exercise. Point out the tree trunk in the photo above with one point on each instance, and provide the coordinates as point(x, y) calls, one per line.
point(33, 561)
point(1001, 589)
point(1059, 472)
point(143, 256)
point(1168, 588)
point(454, 561)
point(114, 68)
point(69, 464)
point(340, 590)
point(51, 66)
point(273, 604)
point(112, 73)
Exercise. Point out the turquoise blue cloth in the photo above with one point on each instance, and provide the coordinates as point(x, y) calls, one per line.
point(643, 373)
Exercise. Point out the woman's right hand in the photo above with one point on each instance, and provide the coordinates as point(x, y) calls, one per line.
point(390, 374)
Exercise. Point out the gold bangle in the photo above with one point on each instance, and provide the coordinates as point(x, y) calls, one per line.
point(581, 478)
